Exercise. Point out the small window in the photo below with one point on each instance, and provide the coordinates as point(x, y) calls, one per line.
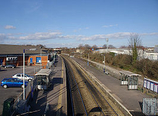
point(38, 60)
point(1, 61)
point(31, 60)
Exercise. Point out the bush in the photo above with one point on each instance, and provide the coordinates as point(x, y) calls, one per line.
point(148, 68)
point(108, 58)
point(145, 66)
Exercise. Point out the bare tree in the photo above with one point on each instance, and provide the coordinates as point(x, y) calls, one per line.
point(87, 46)
point(94, 46)
point(134, 43)
point(111, 47)
point(81, 46)
point(104, 46)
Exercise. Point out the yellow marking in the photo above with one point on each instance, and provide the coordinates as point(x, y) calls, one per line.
point(60, 93)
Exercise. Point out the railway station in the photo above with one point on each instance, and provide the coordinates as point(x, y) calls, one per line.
point(71, 87)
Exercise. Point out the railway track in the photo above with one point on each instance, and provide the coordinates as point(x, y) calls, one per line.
point(85, 97)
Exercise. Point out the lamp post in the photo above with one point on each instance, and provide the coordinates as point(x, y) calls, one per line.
point(32, 49)
point(88, 60)
point(107, 44)
point(41, 58)
point(23, 74)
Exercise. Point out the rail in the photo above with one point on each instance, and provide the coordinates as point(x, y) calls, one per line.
point(71, 89)
point(99, 106)
point(122, 108)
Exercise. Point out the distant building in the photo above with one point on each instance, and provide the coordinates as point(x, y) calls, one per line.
point(156, 49)
point(57, 50)
point(151, 53)
point(80, 51)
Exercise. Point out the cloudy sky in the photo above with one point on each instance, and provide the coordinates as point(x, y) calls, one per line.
point(68, 23)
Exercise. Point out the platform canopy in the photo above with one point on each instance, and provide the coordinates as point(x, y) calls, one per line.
point(129, 74)
point(130, 79)
point(44, 72)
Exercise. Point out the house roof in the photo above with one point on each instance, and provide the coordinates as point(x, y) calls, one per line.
point(18, 49)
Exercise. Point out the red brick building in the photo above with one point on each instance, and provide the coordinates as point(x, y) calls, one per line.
point(13, 54)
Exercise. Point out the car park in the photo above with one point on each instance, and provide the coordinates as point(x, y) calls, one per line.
point(20, 76)
point(9, 66)
point(12, 82)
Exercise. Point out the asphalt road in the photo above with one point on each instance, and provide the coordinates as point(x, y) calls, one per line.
point(12, 92)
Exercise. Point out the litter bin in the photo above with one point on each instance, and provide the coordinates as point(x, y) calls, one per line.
point(8, 107)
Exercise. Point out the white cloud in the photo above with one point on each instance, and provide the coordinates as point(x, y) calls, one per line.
point(144, 34)
point(41, 36)
point(106, 26)
point(9, 27)
point(118, 35)
point(56, 45)
point(47, 37)
point(80, 29)
point(87, 28)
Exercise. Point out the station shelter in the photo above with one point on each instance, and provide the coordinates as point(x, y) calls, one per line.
point(130, 79)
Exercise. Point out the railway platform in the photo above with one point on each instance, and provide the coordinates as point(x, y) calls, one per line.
point(131, 99)
point(53, 101)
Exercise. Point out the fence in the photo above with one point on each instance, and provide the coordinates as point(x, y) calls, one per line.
point(150, 106)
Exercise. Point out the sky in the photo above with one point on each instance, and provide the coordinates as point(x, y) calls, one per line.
point(70, 23)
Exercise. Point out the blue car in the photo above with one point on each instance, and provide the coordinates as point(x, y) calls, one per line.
point(12, 82)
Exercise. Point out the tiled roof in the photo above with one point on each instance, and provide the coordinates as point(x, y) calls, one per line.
point(18, 49)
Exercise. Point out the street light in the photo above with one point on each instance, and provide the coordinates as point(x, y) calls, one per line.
point(23, 74)
point(107, 44)
point(41, 58)
point(33, 49)
point(88, 60)
point(41, 50)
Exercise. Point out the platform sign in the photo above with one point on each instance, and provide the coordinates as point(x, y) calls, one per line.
point(151, 85)
point(149, 106)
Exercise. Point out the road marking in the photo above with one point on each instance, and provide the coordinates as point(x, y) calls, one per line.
point(60, 93)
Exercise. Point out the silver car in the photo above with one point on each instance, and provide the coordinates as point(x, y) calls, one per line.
point(20, 76)
point(10, 66)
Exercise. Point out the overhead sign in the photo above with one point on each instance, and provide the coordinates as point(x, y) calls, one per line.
point(11, 58)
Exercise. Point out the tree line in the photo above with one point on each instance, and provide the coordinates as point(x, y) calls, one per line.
point(144, 67)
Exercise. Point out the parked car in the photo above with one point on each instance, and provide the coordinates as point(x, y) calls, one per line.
point(10, 66)
point(20, 76)
point(12, 82)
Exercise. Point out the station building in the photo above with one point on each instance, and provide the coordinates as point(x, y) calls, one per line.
point(34, 55)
